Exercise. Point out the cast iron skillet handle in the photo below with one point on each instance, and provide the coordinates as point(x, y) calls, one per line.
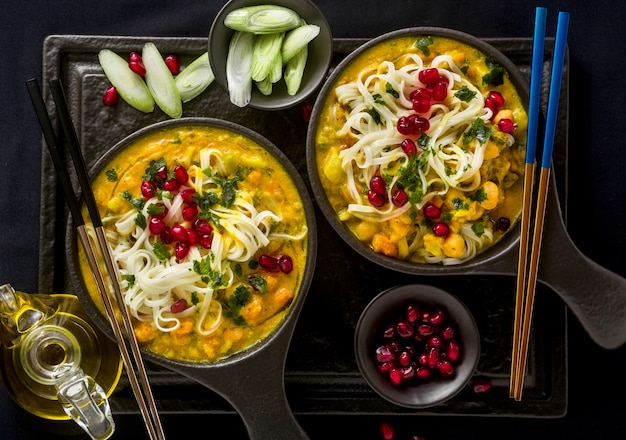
point(595, 295)
point(259, 395)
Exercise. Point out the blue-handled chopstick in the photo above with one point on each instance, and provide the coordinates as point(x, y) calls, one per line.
point(526, 302)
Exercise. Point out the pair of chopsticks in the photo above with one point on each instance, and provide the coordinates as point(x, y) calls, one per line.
point(527, 269)
point(134, 365)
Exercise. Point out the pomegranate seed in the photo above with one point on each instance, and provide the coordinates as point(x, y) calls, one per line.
point(192, 237)
point(422, 105)
point(206, 241)
point(433, 357)
point(424, 373)
point(181, 249)
point(445, 368)
point(386, 367)
point(377, 200)
point(441, 229)
point(394, 346)
point(179, 306)
point(494, 101)
point(429, 76)
point(162, 173)
point(269, 263)
point(400, 197)
point(419, 124)
point(418, 94)
point(389, 331)
point(202, 226)
point(431, 212)
point(409, 147)
point(378, 185)
point(453, 352)
point(504, 224)
point(180, 174)
point(148, 189)
point(285, 264)
point(156, 225)
point(387, 431)
point(307, 110)
point(173, 63)
point(137, 67)
point(425, 329)
point(384, 353)
point(447, 333)
point(134, 56)
point(422, 359)
point(110, 96)
point(188, 195)
point(404, 126)
point(440, 91)
point(404, 329)
point(408, 372)
point(166, 236)
point(506, 125)
point(190, 212)
point(404, 358)
point(437, 317)
point(178, 232)
point(435, 341)
point(412, 313)
point(171, 185)
point(481, 386)
point(395, 376)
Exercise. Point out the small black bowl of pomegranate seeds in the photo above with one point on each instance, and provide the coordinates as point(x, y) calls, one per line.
point(417, 345)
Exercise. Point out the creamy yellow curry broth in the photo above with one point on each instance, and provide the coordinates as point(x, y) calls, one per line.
point(417, 170)
point(229, 291)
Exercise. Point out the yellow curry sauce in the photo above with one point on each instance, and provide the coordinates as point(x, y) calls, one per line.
point(409, 236)
point(272, 189)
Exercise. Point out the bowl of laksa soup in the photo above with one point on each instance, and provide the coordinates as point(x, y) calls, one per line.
point(416, 150)
point(212, 232)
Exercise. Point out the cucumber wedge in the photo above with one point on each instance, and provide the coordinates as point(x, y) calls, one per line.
point(294, 70)
point(161, 82)
point(130, 86)
point(195, 78)
point(297, 39)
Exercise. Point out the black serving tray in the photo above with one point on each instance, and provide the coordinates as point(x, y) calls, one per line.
point(321, 376)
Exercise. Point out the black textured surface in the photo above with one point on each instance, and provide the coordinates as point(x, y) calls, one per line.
point(321, 375)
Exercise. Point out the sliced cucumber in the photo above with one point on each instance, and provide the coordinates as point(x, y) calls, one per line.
point(161, 82)
point(194, 78)
point(130, 86)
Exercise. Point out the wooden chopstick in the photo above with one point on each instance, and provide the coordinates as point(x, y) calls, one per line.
point(519, 367)
point(140, 386)
point(529, 179)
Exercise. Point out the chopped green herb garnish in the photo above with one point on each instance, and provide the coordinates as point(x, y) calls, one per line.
point(160, 250)
point(479, 195)
point(140, 220)
point(495, 77)
point(465, 94)
point(137, 203)
point(375, 116)
point(478, 131)
point(478, 228)
point(259, 283)
point(194, 298)
point(153, 168)
point(112, 175)
point(130, 279)
point(423, 44)
point(389, 89)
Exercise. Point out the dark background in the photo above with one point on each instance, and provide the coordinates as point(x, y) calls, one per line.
point(597, 185)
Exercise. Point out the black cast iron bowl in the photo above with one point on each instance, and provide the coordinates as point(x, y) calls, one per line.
point(252, 381)
point(320, 52)
point(595, 295)
point(388, 305)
